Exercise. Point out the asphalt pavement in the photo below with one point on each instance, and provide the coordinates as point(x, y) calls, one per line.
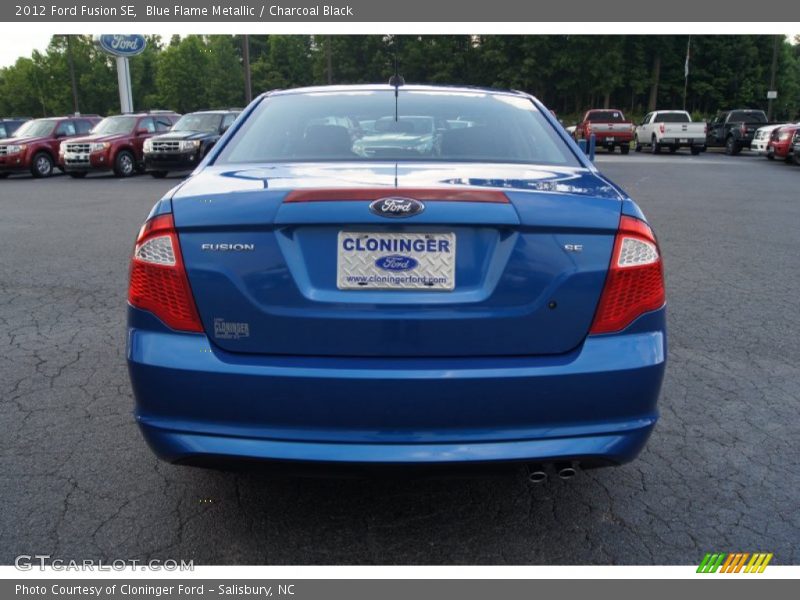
point(720, 473)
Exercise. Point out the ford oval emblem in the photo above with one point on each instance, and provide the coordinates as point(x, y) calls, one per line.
point(122, 45)
point(396, 207)
point(396, 262)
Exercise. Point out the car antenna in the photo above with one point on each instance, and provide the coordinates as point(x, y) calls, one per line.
point(396, 80)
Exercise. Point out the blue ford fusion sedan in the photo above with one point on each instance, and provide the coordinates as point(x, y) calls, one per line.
point(397, 275)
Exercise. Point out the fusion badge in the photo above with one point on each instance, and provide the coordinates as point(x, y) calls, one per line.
point(228, 247)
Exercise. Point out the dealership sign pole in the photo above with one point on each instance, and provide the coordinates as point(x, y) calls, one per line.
point(122, 47)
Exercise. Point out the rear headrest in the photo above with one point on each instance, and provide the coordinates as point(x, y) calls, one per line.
point(328, 140)
point(388, 124)
point(474, 142)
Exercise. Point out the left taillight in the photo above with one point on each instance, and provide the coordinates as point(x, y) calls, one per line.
point(158, 281)
point(635, 281)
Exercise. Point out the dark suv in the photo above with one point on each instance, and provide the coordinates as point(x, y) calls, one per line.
point(115, 144)
point(187, 142)
point(34, 146)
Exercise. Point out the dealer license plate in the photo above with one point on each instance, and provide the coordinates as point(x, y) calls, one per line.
point(401, 261)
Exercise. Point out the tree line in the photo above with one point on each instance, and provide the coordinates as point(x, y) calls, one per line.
point(569, 73)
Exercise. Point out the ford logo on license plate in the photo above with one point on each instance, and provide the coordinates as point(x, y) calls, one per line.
point(395, 207)
point(396, 262)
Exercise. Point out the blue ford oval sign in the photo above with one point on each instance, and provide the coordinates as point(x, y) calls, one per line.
point(122, 45)
point(395, 262)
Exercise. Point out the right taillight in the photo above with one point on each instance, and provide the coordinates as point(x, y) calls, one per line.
point(635, 281)
point(158, 281)
point(662, 129)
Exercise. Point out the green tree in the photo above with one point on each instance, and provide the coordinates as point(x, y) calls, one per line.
point(181, 74)
point(224, 76)
point(23, 90)
point(287, 62)
point(569, 73)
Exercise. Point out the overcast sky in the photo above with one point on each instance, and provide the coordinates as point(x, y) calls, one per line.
point(14, 45)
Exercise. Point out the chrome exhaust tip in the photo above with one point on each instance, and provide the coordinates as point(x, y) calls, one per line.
point(537, 474)
point(566, 471)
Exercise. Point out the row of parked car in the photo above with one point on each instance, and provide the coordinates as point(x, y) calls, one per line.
point(158, 142)
point(780, 141)
point(154, 141)
point(733, 130)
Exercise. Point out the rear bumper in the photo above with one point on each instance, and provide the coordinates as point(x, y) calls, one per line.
point(594, 450)
point(596, 404)
point(684, 142)
point(613, 139)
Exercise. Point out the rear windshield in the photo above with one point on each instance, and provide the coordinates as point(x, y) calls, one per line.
point(605, 116)
point(206, 122)
point(672, 118)
point(429, 126)
point(748, 116)
point(36, 128)
point(115, 125)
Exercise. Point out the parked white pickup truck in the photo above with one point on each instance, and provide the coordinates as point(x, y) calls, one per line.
point(670, 129)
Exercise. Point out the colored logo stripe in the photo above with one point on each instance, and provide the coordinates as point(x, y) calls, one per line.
point(711, 563)
point(758, 563)
point(734, 562)
point(738, 562)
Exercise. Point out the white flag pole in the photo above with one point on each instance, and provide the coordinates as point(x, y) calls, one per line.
point(686, 71)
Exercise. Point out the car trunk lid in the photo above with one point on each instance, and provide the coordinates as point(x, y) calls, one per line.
point(530, 250)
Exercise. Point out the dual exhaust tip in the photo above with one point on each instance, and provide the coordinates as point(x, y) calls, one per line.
point(538, 473)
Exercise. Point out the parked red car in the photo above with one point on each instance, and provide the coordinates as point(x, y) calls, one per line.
point(610, 128)
point(115, 144)
point(780, 142)
point(34, 146)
